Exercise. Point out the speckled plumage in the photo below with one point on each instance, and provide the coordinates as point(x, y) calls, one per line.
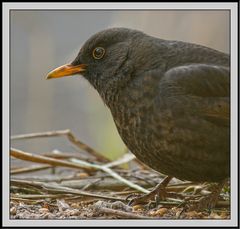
point(169, 100)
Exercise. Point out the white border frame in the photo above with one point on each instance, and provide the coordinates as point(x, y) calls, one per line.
point(123, 6)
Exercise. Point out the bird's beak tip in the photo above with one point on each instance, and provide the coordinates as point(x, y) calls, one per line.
point(66, 70)
point(48, 77)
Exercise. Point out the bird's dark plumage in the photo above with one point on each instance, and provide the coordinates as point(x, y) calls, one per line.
point(170, 100)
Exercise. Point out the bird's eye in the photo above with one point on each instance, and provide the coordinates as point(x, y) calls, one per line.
point(98, 53)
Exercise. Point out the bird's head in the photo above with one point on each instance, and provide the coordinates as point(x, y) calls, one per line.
point(109, 59)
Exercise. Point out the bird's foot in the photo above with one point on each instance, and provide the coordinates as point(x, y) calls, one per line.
point(158, 193)
point(208, 201)
point(145, 198)
point(203, 203)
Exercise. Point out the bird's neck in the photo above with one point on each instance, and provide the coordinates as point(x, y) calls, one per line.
point(110, 89)
point(135, 98)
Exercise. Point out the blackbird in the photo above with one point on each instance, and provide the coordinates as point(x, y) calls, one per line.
point(170, 100)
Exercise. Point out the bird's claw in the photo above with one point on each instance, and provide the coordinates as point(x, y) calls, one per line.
point(145, 198)
point(203, 203)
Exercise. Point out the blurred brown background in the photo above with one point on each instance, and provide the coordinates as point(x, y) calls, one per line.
point(43, 40)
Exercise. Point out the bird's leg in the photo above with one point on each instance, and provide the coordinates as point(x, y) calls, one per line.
point(159, 191)
point(208, 201)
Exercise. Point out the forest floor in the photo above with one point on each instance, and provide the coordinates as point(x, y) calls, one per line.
point(86, 185)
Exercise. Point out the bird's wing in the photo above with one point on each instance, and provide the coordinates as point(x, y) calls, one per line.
point(210, 83)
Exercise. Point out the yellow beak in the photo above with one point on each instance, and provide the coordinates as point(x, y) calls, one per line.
point(66, 70)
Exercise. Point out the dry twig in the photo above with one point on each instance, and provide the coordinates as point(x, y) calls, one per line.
point(30, 169)
point(45, 160)
point(124, 159)
point(75, 163)
point(120, 214)
point(113, 174)
point(41, 196)
point(70, 137)
point(55, 188)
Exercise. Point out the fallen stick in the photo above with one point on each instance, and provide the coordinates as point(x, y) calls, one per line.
point(70, 137)
point(75, 163)
point(111, 173)
point(45, 160)
point(29, 169)
point(124, 159)
point(121, 214)
point(55, 188)
point(41, 196)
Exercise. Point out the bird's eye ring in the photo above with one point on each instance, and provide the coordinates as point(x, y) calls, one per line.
point(98, 53)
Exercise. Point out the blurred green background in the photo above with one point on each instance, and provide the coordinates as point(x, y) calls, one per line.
point(43, 40)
